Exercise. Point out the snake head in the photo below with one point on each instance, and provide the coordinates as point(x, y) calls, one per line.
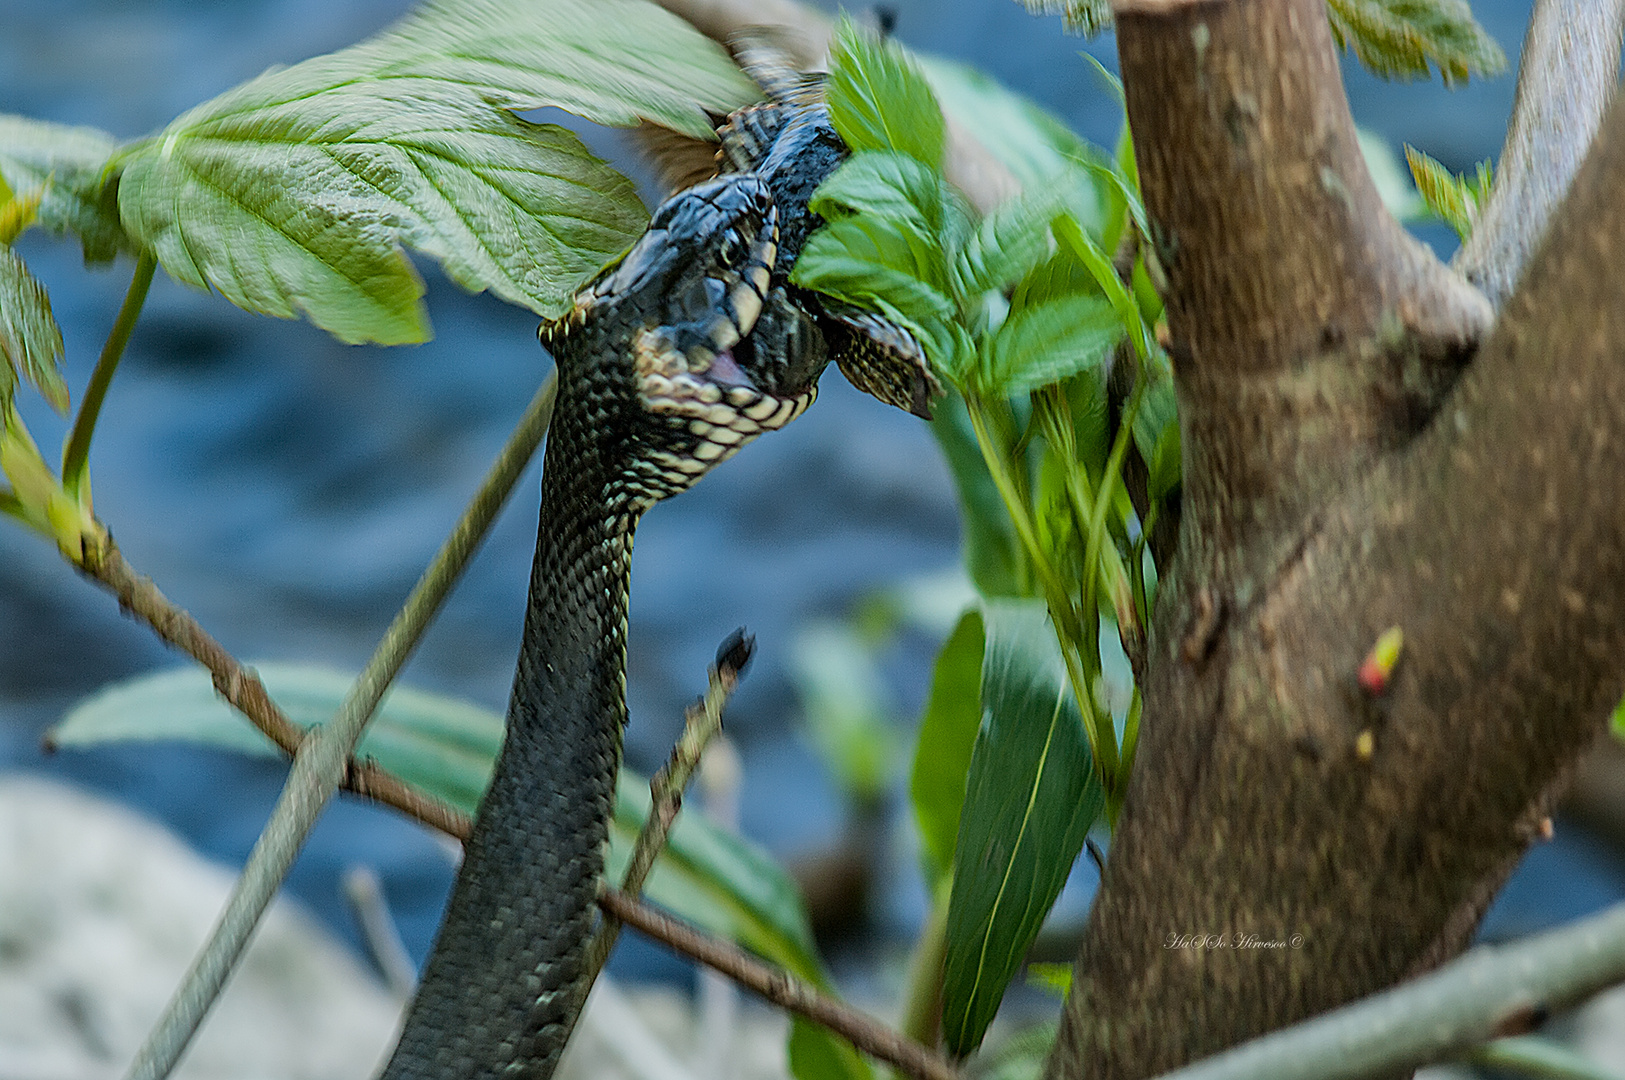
point(691, 322)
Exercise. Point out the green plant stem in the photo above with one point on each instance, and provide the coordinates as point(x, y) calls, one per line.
point(922, 999)
point(1065, 617)
point(320, 765)
point(1131, 737)
point(76, 454)
point(1531, 1055)
point(1108, 485)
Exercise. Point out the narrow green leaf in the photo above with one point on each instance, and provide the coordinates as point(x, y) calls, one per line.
point(293, 193)
point(942, 753)
point(1031, 797)
point(30, 340)
point(1394, 182)
point(447, 747)
point(879, 100)
point(1088, 17)
point(1044, 343)
point(1165, 467)
point(989, 539)
point(1159, 408)
point(1400, 39)
point(1453, 199)
point(69, 165)
point(816, 1053)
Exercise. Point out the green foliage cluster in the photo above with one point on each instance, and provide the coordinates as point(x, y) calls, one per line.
point(1455, 200)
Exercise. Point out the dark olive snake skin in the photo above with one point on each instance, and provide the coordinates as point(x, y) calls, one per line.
point(671, 360)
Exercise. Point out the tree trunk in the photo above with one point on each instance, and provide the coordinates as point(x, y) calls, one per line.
point(1354, 461)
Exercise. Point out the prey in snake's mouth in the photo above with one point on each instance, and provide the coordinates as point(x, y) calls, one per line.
point(719, 353)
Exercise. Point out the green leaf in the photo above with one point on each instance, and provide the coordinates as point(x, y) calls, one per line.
point(447, 747)
point(890, 185)
point(879, 100)
point(1159, 407)
point(816, 1053)
point(990, 545)
point(1088, 17)
point(1007, 245)
point(1454, 199)
point(1033, 144)
point(893, 267)
point(942, 753)
point(1032, 795)
point(30, 340)
point(293, 193)
point(1400, 39)
point(1044, 343)
point(69, 165)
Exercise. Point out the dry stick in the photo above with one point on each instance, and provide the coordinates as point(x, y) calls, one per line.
point(701, 722)
point(1489, 991)
point(243, 690)
point(1566, 77)
point(780, 987)
point(321, 762)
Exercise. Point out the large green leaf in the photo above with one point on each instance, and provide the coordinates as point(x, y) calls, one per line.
point(891, 185)
point(1401, 38)
point(942, 753)
point(1044, 343)
point(447, 747)
point(30, 340)
point(1031, 797)
point(68, 165)
point(1007, 244)
point(879, 100)
point(293, 193)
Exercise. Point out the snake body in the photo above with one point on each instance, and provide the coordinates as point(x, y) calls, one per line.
point(670, 360)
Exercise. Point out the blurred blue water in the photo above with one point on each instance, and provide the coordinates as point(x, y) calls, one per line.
point(288, 489)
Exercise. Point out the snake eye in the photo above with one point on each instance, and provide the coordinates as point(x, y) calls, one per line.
point(741, 287)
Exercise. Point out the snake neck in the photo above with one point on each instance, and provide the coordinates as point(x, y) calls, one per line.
point(505, 982)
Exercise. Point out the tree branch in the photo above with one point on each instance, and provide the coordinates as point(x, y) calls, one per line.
point(1566, 77)
point(1485, 994)
point(780, 987)
point(243, 691)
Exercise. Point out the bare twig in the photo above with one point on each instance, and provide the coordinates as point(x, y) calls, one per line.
point(243, 690)
point(322, 761)
point(701, 722)
point(1491, 991)
point(383, 939)
point(1566, 78)
point(780, 987)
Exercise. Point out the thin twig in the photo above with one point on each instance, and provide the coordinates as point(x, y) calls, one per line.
point(321, 763)
point(1566, 77)
point(701, 722)
point(378, 930)
point(243, 690)
point(1492, 990)
point(780, 987)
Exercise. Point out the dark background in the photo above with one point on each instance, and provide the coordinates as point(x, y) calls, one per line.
point(288, 489)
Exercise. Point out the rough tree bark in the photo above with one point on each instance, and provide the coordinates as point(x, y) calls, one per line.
point(1353, 461)
point(1366, 445)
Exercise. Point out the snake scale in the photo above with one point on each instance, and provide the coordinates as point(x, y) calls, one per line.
point(669, 361)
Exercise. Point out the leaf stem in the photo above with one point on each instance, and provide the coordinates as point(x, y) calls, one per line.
point(76, 454)
point(1066, 618)
point(922, 1000)
point(320, 765)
